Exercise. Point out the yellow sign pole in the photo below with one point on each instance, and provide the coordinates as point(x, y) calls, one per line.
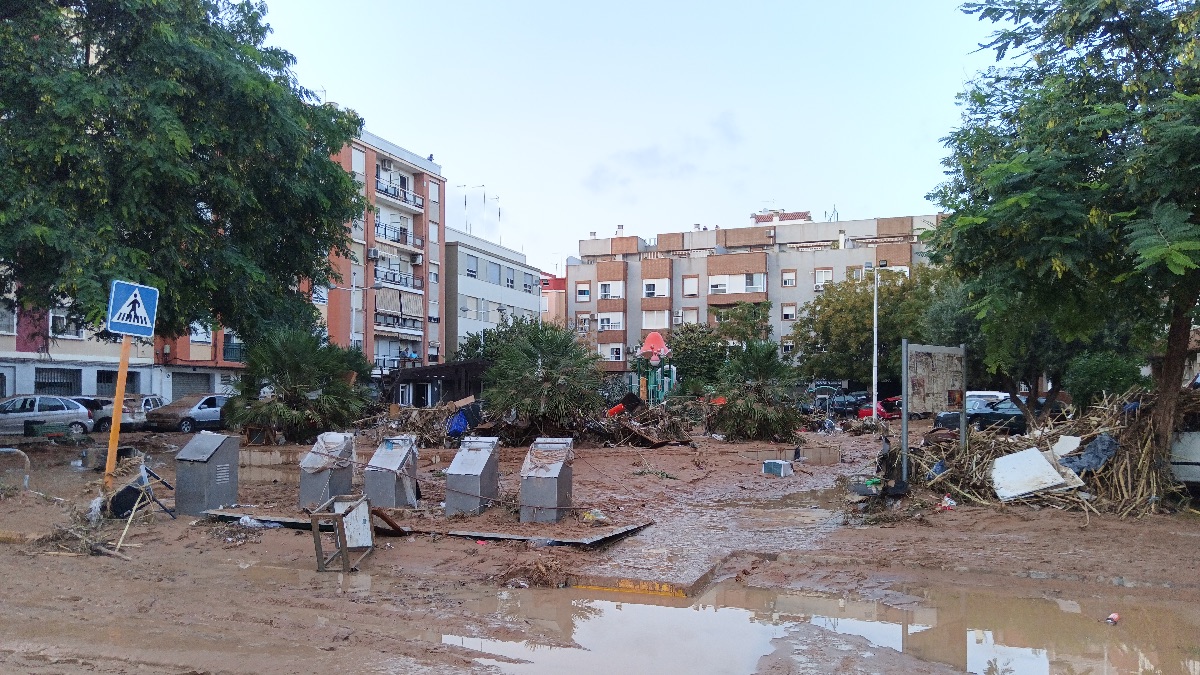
point(114, 431)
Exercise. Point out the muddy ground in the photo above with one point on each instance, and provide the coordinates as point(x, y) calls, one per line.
point(739, 572)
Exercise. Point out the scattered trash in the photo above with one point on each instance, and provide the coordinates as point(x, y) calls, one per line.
point(777, 467)
point(1023, 473)
point(718, 437)
point(1094, 457)
point(1113, 619)
point(594, 517)
point(517, 583)
point(256, 524)
point(947, 504)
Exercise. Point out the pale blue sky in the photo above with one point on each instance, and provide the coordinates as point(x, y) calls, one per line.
point(654, 115)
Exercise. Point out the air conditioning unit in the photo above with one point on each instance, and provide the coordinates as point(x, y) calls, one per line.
point(817, 288)
point(677, 320)
point(372, 253)
point(679, 313)
point(770, 232)
point(386, 164)
point(417, 258)
point(592, 317)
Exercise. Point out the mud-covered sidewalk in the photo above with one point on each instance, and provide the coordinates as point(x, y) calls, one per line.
point(739, 573)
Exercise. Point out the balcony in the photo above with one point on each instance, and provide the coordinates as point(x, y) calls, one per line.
point(610, 325)
point(400, 195)
point(400, 323)
point(398, 235)
point(234, 352)
point(386, 276)
point(395, 362)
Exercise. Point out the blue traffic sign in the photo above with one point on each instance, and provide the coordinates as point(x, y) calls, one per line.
point(132, 308)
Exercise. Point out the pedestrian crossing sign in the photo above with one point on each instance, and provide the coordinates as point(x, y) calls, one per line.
point(132, 309)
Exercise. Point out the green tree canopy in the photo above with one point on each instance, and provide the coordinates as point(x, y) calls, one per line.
point(161, 141)
point(744, 322)
point(833, 333)
point(697, 353)
point(487, 343)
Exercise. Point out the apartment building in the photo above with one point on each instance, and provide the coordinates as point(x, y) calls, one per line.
point(554, 299)
point(624, 287)
point(486, 282)
point(389, 303)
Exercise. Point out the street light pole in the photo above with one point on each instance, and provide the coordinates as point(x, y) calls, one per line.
point(874, 343)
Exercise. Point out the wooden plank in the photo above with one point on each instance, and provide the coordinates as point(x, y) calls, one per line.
point(556, 541)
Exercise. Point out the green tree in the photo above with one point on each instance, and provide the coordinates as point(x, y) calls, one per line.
point(834, 333)
point(163, 142)
point(312, 386)
point(1072, 179)
point(745, 321)
point(1091, 375)
point(757, 387)
point(487, 343)
point(697, 353)
point(546, 379)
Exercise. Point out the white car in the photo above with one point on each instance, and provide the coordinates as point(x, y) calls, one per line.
point(17, 410)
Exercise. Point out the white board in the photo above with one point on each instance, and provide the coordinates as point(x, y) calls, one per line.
point(1065, 445)
point(1185, 457)
point(358, 524)
point(1023, 473)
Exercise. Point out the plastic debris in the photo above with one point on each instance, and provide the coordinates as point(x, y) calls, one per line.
point(1113, 619)
point(1094, 456)
point(594, 517)
point(947, 504)
point(255, 523)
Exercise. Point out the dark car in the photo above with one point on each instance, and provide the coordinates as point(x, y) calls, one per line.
point(846, 406)
point(1006, 416)
point(949, 419)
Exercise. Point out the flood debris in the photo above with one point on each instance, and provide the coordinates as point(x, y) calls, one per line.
point(1102, 461)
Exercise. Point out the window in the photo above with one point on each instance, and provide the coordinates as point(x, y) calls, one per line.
point(58, 381)
point(320, 295)
point(201, 334)
point(789, 278)
point(61, 325)
point(718, 285)
point(8, 319)
point(755, 282)
point(656, 320)
point(435, 191)
point(854, 272)
point(612, 290)
point(433, 232)
point(434, 274)
point(823, 275)
point(655, 288)
point(583, 323)
point(471, 265)
point(606, 291)
point(358, 163)
point(493, 273)
point(611, 320)
point(530, 285)
point(611, 351)
point(510, 277)
point(788, 346)
point(614, 353)
point(789, 311)
point(50, 404)
point(691, 287)
point(691, 315)
point(583, 292)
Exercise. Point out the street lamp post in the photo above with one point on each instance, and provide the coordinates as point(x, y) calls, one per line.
point(875, 339)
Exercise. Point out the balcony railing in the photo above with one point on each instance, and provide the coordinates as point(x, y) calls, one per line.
point(399, 194)
point(393, 321)
point(398, 278)
point(393, 362)
point(610, 325)
point(400, 235)
point(234, 352)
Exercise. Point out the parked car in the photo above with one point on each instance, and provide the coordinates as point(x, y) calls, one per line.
point(16, 410)
point(846, 405)
point(949, 419)
point(189, 413)
point(141, 405)
point(1007, 416)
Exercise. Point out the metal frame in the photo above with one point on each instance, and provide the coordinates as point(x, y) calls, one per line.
point(339, 533)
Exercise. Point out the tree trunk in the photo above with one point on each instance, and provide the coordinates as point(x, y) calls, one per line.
point(1170, 375)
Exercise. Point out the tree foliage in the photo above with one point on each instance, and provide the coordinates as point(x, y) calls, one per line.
point(311, 385)
point(487, 343)
point(697, 353)
point(1072, 179)
point(757, 386)
point(1091, 375)
point(163, 142)
point(545, 379)
point(834, 333)
point(744, 322)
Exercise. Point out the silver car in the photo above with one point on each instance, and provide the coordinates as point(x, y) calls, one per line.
point(15, 411)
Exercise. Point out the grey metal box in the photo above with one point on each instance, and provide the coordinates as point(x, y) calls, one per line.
point(206, 473)
point(327, 470)
point(546, 480)
point(390, 479)
point(473, 478)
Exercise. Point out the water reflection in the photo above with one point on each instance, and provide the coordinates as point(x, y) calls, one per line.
point(983, 631)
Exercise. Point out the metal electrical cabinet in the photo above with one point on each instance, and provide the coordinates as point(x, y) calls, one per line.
point(546, 480)
point(327, 470)
point(390, 479)
point(473, 478)
point(206, 473)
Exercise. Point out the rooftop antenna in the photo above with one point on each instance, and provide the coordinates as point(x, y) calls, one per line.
point(831, 216)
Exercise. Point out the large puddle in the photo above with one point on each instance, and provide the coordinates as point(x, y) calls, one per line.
point(730, 627)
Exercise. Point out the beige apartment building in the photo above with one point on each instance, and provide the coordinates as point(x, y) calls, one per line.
point(626, 286)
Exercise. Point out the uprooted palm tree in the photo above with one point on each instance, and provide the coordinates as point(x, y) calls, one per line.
point(544, 381)
point(298, 384)
point(756, 385)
